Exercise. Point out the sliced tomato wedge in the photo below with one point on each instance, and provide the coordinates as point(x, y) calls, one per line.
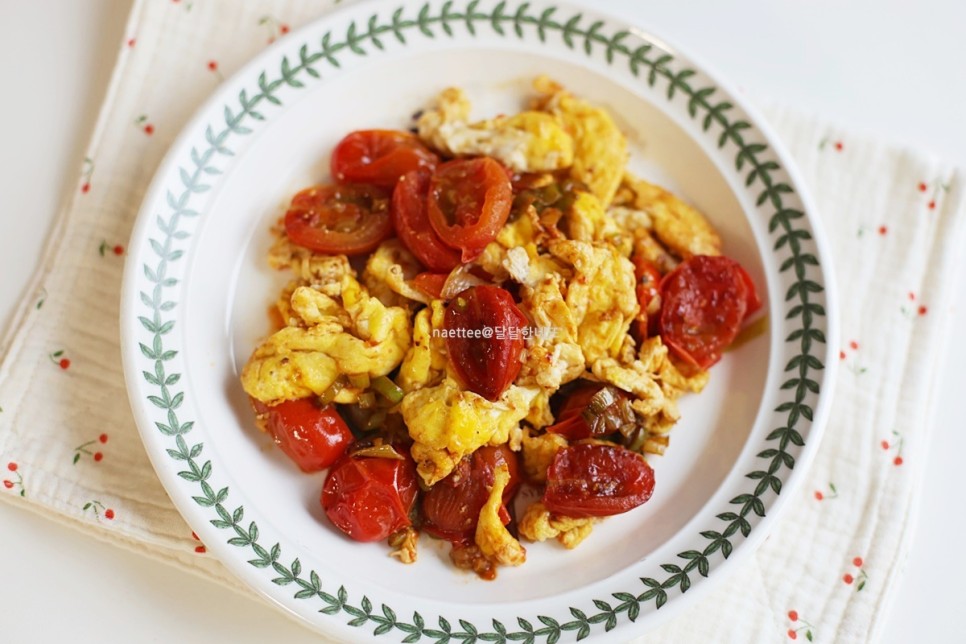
point(410, 219)
point(351, 219)
point(452, 506)
point(485, 337)
point(369, 498)
point(379, 157)
point(594, 480)
point(312, 435)
point(469, 201)
point(703, 303)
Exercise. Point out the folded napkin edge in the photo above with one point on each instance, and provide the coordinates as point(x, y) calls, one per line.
point(54, 243)
point(954, 213)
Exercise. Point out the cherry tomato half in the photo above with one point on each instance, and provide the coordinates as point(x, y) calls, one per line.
point(452, 506)
point(379, 157)
point(704, 301)
point(469, 201)
point(369, 498)
point(484, 338)
point(593, 480)
point(311, 435)
point(411, 222)
point(350, 219)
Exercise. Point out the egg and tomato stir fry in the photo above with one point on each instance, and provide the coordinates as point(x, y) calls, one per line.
point(481, 305)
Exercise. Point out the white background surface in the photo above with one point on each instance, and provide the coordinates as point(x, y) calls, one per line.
point(890, 68)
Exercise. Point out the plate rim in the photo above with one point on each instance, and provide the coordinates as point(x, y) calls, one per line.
point(223, 96)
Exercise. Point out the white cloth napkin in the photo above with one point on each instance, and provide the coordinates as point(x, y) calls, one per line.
point(69, 449)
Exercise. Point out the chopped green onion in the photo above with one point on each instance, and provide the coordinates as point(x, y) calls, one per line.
point(549, 195)
point(389, 390)
point(609, 411)
point(367, 400)
point(376, 420)
point(328, 396)
point(359, 380)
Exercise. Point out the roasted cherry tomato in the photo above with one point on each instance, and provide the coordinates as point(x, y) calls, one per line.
point(484, 338)
point(648, 296)
point(339, 219)
point(369, 498)
point(410, 219)
point(379, 157)
point(594, 480)
point(431, 283)
point(311, 435)
point(452, 506)
point(703, 303)
point(469, 201)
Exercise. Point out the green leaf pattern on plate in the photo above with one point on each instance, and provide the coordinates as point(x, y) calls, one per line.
point(506, 19)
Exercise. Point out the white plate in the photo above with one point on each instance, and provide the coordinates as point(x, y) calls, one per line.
point(197, 289)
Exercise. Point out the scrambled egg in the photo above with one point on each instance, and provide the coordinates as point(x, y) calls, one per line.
point(388, 274)
point(425, 362)
point(654, 381)
point(517, 233)
point(600, 297)
point(526, 142)
point(359, 335)
point(321, 272)
point(680, 227)
point(448, 423)
point(554, 355)
point(600, 149)
point(493, 539)
point(538, 453)
point(589, 222)
point(539, 524)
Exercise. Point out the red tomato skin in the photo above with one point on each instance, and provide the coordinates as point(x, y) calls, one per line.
point(485, 364)
point(754, 300)
point(569, 422)
point(313, 437)
point(469, 201)
point(452, 506)
point(648, 289)
point(379, 157)
point(573, 428)
point(410, 220)
point(369, 498)
point(703, 303)
point(431, 283)
point(316, 213)
point(595, 480)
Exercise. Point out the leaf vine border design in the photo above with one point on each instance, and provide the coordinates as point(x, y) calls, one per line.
point(574, 32)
